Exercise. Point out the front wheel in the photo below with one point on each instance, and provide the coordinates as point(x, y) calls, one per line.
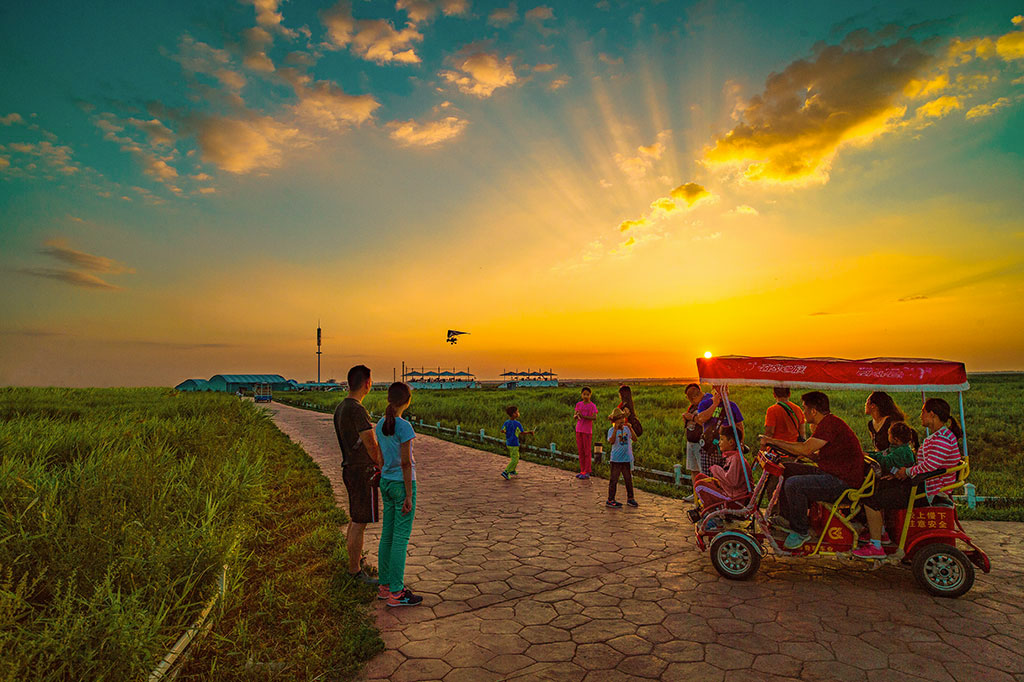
point(943, 570)
point(735, 556)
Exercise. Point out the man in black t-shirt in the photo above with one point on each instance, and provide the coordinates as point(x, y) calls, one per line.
point(361, 462)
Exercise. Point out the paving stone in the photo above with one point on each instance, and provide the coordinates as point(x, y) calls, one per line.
point(534, 579)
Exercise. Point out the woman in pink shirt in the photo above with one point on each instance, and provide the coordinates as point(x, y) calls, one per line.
point(586, 413)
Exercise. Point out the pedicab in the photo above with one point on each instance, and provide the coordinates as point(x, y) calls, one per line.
point(740, 531)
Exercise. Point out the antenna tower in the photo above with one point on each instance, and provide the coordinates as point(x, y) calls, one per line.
point(318, 352)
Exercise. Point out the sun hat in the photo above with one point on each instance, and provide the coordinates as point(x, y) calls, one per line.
point(617, 413)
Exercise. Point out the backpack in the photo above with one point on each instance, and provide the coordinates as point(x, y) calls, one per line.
point(693, 429)
point(792, 417)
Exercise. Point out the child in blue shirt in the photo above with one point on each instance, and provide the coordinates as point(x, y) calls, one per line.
point(620, 437)
point(513, 429)
point(398, 494)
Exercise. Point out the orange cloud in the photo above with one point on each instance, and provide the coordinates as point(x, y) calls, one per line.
point(326, 105)
point(690, 192)
point(938, 108)
point(242, 145)
point(424, 10)
point(792, 131)
point(636, 167)
point(375, 40)
point(1011, 46)
point(413, 134)
point(540, 13)
point(481, 73)
point(11, 119)
point(503, 16)
point(59, 249)
point(72, 277)
point(627, 225)
point(981, 110)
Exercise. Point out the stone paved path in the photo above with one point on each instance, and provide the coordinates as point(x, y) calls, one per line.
point(535, 579)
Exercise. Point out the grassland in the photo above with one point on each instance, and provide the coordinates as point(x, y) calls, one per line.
point(994, 406)
point(118, 510)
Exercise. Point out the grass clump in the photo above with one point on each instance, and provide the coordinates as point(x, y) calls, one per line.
point(118, 510)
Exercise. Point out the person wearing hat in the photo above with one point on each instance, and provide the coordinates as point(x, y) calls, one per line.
point(620, 438)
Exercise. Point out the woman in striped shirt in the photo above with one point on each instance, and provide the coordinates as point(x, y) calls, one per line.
point(940, 450)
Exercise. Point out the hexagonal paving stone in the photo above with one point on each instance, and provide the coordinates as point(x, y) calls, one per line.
point(597, 656)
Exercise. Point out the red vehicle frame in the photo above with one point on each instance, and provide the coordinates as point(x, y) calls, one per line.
point(737, 531)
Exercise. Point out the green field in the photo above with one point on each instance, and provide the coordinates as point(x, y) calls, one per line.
point(994, 406)
point(118, 510)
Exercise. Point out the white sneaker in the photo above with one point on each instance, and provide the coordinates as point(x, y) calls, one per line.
point(688, 498)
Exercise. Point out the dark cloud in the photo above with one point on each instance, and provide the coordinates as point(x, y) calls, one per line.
point(72, 277)
point(57, 248)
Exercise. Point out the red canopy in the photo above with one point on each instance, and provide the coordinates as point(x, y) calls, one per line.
point(890, 374)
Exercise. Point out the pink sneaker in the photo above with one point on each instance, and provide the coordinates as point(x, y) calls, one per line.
point(383, 592)
point(869, 551)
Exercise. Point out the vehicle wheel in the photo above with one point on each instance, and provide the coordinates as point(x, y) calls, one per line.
point(735, 557)
point(943, 570)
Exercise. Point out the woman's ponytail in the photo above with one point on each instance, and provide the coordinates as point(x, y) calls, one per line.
point(940, 408)
point(398, 394)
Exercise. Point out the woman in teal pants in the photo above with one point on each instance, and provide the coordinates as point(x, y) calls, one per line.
point(398, 496)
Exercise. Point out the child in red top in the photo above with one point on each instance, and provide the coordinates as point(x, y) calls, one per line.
point(728, 482)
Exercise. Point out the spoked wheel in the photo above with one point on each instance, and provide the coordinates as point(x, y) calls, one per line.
point(735, 556)
point(943, 570)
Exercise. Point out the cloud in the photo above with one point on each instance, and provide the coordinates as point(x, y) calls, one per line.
point(636, 167)
point(544, 68)
point(558, 83)
point(481, 73)
point(255, 42)
point(58, 248)
point(420, 11)
point(627, 225)
point(743, 209)
point(72, 277)
point(690, 193)
point(503, 16)
point(157, 132)
point(196, 57)
point(326, 105)
point(791, 132)
point(413, 134)
point(610, 61)
point(11, 119)
point(375, 40)
point(56, 157)
point(937, 108)
point(982, 110)
point(968, 281)
point(153, 160)
point(268, 16)
point(1011, 45)
point(243, 145)
point(540, 13)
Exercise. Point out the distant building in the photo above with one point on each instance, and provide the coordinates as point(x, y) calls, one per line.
point(194, 385)
point(230, 383)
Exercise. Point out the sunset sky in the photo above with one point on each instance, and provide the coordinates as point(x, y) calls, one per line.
point(607, 189)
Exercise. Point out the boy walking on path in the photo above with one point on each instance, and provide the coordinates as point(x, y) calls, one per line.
point(513, 430)
point(586, 413)
point(361, 462)
point(620, 437)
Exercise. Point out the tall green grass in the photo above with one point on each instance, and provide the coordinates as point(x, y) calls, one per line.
point(993, 406)
point(118, 508)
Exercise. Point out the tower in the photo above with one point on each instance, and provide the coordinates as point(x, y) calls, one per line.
point(318, 352)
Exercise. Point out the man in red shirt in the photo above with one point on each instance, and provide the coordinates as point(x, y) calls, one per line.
point(785, 420)
point(837, 451)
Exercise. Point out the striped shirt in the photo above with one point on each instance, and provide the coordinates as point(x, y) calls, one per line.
point(938, 451)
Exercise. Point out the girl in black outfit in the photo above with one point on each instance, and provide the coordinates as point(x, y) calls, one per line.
point(884, 413)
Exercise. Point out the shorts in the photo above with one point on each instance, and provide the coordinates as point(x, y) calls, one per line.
point(363, 493)
point(692, 456)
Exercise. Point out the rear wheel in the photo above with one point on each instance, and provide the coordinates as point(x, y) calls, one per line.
point(735, 556)
point(943, 570)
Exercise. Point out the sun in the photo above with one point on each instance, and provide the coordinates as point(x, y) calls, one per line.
point(707, 354)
